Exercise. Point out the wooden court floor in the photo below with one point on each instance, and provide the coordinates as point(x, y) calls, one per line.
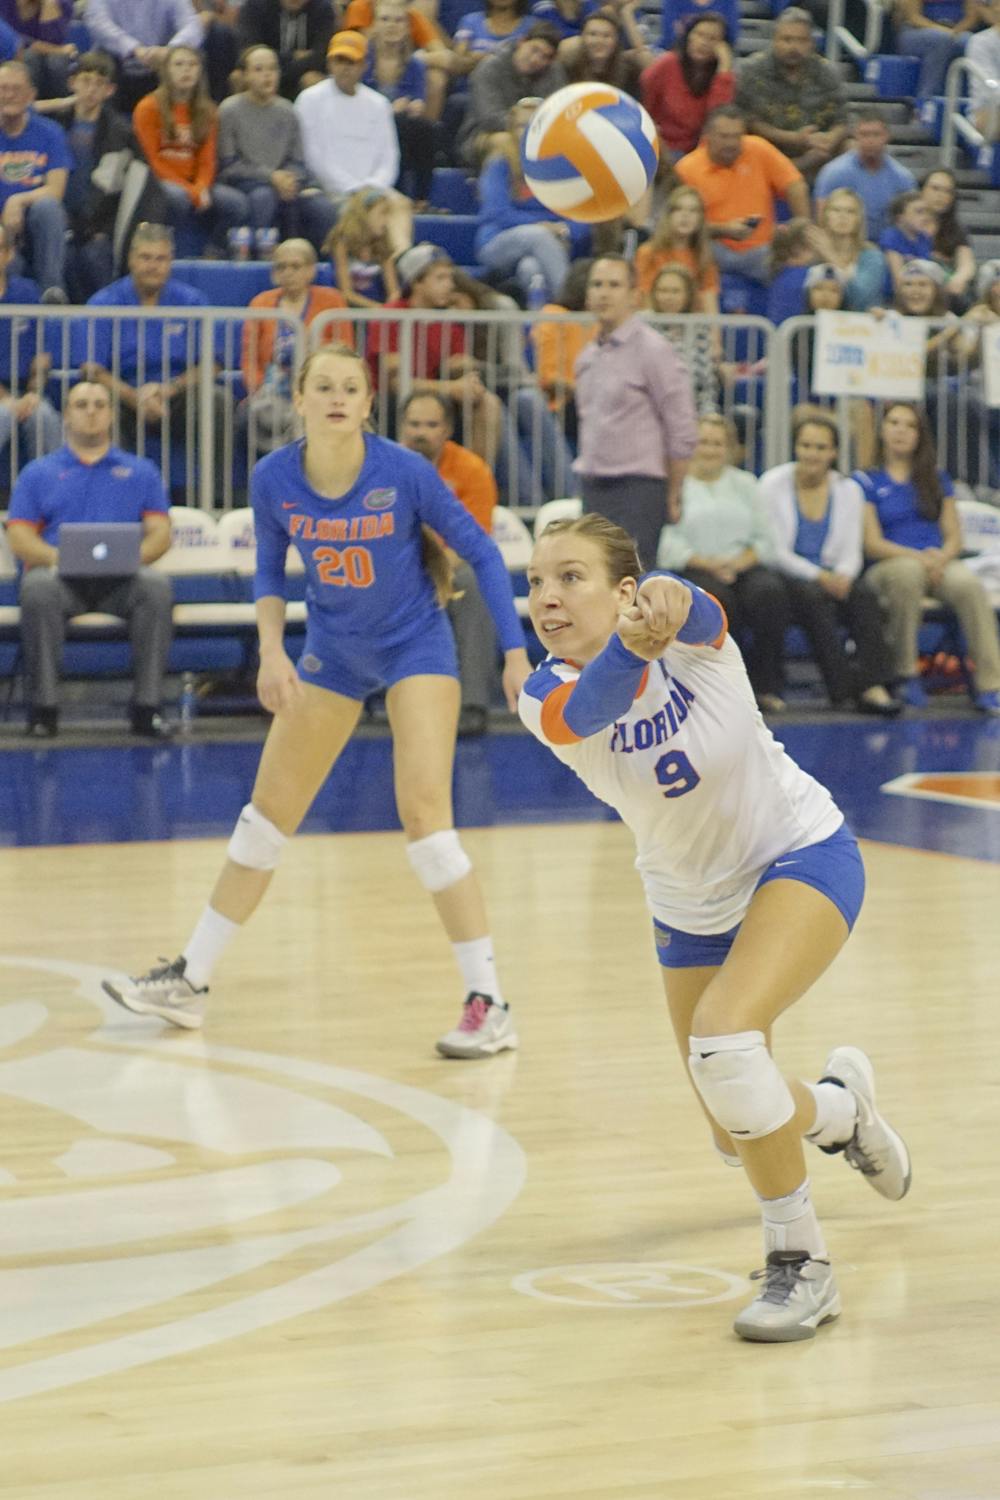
point(298, 1256)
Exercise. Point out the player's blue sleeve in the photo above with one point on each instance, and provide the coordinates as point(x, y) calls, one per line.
point(437, 507)
point(272, 540)
point(706, 623)
point(602, 693)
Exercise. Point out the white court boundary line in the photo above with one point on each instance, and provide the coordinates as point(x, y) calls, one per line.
point(906, 786)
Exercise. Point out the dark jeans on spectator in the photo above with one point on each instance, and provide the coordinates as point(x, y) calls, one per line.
point(757, 602)
point(823, 618)
point(310, 215)
point(417, 142)
point(224, 214)
point(635, 502)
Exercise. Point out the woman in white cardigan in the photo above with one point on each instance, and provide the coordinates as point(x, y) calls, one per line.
point(816, 526)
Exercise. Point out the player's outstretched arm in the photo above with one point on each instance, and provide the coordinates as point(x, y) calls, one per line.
point(661, 608)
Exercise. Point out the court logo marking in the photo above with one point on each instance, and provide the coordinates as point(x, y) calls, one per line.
point(194, 1150)
point(978, 789)
point(631, 1286)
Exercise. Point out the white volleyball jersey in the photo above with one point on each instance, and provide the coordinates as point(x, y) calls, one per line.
point(710, 796)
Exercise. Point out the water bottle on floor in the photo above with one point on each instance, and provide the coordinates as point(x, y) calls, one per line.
point(188, 702)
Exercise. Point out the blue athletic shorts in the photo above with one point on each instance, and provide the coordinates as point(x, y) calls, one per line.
point(833, 867)
point(357, 667)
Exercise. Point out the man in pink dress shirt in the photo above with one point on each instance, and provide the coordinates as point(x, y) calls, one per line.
point(636, 410)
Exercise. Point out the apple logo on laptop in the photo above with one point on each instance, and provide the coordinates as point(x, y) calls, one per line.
point(100, 552)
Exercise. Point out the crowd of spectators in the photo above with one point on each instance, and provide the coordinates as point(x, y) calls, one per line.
point(307, 131)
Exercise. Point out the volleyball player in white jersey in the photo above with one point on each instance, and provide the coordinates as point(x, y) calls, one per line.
point(753, 880)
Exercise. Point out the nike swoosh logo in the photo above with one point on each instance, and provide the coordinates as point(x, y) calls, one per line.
point(289, 504)
point(779, 864)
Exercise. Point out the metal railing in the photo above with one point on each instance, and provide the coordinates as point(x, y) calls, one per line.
point(838, 36)
point(965, 429)
point(955, 123)
point(196, 437)
point(207, 438)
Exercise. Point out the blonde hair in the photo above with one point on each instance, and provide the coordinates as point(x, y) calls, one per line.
point(353, 231)
point(202, 109)
point(664, 238)
point(859, 238)
point(619, 550)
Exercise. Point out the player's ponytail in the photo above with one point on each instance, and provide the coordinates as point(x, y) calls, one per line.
point(440, 565)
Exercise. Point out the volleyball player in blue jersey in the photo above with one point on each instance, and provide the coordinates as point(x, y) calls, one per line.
point(357, 508)
point(751, 877)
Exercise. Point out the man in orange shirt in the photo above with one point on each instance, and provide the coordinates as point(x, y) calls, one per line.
point(267, 356)
point(427, 421)
point(739, 178)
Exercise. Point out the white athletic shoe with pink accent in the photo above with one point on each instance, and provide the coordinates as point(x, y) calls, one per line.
point(484, 1030)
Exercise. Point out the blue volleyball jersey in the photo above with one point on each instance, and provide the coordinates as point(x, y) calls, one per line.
point(362, 552)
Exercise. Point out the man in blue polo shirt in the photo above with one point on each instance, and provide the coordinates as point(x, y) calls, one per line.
point(88, 479)
point(34, 164)
point(151, 367)
point(868, 170)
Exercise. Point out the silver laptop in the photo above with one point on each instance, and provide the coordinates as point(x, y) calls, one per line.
point(99, 549)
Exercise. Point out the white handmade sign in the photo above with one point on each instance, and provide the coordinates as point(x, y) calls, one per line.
point(991, 363)
point(858, 355)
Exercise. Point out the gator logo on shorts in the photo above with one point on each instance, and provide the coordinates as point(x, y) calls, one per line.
point(311, 663)
point(379, 499)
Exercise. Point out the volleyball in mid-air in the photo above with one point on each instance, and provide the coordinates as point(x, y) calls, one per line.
point(590, 152)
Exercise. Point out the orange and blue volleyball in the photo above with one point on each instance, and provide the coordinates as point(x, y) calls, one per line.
point(590, 152)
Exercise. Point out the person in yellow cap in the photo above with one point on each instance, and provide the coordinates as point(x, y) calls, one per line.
point(349, 134)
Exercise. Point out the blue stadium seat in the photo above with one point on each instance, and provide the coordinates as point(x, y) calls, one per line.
point(455, 233)
point(894, 77)
point(229, 283)
point(453, 189)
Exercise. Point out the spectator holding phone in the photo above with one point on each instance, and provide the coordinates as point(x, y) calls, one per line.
point(740, 178)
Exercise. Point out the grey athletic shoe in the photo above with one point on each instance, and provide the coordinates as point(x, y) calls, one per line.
point(799, 1294)
point(874, 1150)
point(162, 992)
point(485, 1029)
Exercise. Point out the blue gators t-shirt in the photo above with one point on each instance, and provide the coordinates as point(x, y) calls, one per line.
point(362, 552)
point(25, 159)
point(61, 487)
point(897, 507)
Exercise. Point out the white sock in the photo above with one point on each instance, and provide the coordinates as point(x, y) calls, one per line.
point(477, 966)
point(836, 1114)
point(206, 945)
point(790, 1223)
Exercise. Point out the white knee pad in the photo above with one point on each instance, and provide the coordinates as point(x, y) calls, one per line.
point(256, 843)
point(740, 1083)
point(439, 860)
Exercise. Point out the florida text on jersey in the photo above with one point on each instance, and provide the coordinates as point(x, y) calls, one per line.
point(688, 763)
point(363, 550)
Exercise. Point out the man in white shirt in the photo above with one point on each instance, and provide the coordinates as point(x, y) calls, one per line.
point(984, 49)
point(349, 134)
